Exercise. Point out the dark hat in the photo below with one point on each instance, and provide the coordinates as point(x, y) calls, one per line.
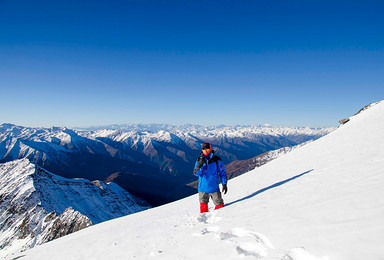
point(206, 146)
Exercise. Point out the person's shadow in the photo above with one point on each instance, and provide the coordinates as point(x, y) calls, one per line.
point(268, 188)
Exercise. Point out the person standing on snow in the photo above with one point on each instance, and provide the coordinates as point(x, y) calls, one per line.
point(209, 168)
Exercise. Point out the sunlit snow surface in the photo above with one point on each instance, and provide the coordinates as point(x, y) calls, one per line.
point(321, 201)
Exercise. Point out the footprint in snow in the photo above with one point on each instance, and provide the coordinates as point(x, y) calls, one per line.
point(208, 218)
point(209, 230)
point(247, 243)
point(155, 253)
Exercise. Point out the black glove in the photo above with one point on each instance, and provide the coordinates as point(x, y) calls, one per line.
point(200, 164)
point(225, 188)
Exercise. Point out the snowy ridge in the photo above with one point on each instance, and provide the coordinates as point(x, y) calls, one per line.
point(164, 132)
point(274, 154)
point(236, 130)
point(16, 141)
point(38, 206)
point(322, 201)
point(237, 168)
point(142, 135)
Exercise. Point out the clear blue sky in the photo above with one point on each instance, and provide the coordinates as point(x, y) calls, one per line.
point(289, 63)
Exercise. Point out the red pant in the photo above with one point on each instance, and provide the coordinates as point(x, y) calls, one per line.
point(204, 207)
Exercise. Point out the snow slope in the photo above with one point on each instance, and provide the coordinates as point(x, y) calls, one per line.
point(321, 201)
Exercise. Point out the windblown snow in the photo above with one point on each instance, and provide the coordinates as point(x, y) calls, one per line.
point(321, 201)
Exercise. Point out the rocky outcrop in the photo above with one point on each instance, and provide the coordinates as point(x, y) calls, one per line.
point(68, 222)
point(344, 121)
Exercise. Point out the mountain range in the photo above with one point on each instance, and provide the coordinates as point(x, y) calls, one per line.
point(152, 161)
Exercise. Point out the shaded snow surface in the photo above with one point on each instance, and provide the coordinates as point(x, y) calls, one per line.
point(321, 201)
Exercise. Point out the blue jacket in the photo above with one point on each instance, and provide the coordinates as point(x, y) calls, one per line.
point(209, 174)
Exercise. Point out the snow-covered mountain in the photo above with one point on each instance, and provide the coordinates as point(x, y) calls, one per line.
point(232, 142)
point(216, 131)
point(37, 206)
point(322, 201)
point(136, 156)
point(237, 168)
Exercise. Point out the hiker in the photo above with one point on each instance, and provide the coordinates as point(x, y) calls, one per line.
point(210, 170)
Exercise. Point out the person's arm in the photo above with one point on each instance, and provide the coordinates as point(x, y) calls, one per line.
point(199, 166)
point(223, 175)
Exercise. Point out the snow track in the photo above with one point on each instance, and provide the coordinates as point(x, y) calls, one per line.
point(244, 243)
